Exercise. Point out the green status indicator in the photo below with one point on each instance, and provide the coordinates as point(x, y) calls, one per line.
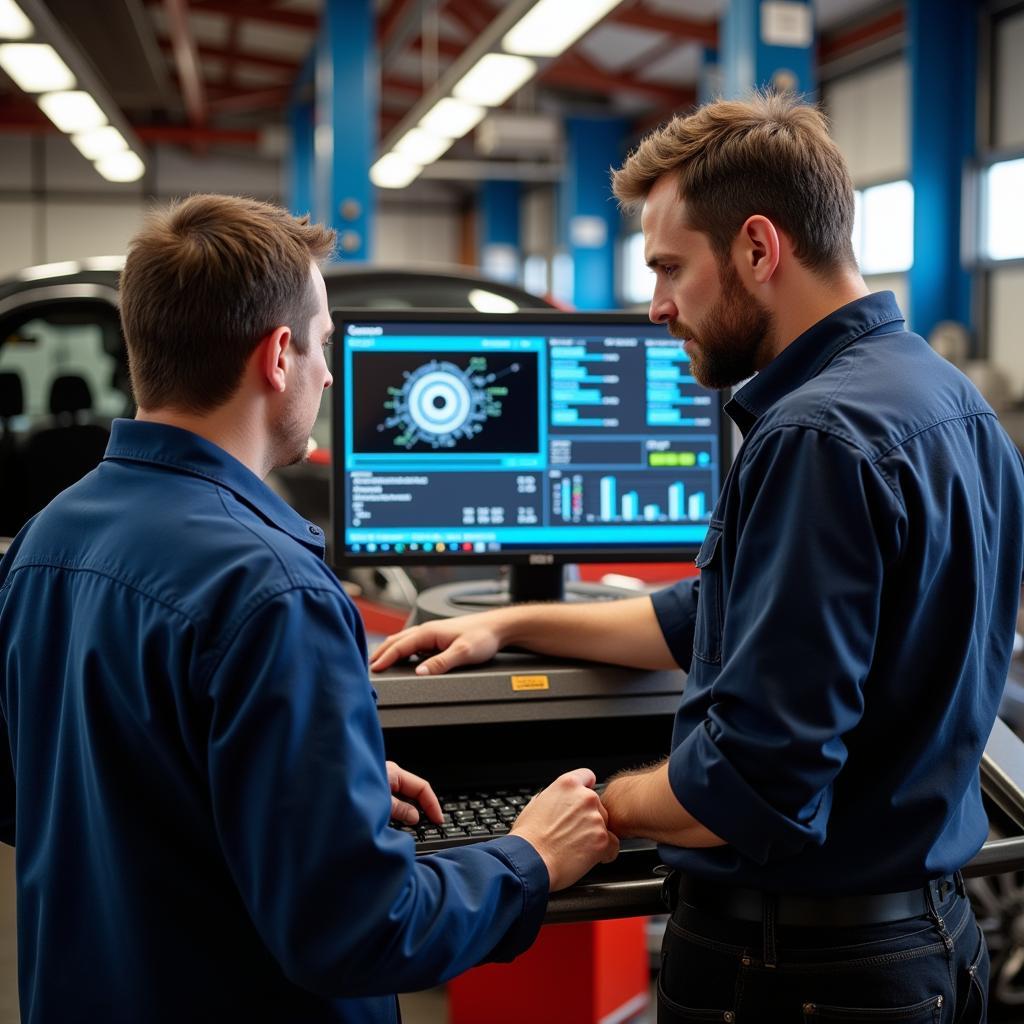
point(671, 459)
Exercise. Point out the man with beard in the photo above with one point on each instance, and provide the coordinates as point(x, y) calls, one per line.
point(195, 778)
point(848, 639)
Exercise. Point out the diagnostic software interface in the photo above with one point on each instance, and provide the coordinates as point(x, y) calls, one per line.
point(507, 435)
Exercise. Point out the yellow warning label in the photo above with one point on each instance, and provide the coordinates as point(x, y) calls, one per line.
point(530, 683)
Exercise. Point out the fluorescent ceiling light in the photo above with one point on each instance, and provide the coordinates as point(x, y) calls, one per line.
point(124, 166)
point(13, 23)
point(99, 142)
point(421, 147)
point(72, 112)
point(550, 27)
point(36, 67)
point(493, 78)
point(394, 171)
point(451, 119)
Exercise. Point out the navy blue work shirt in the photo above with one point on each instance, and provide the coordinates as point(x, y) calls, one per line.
point(858, 592)
point(199, 798)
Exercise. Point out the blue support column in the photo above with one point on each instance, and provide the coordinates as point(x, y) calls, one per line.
point(943, 88)
point(300, 151)
point(709, 81)
point(590, 218)
point(767, 45)
point(498, 230)
point(300, 163)
point(347, 105)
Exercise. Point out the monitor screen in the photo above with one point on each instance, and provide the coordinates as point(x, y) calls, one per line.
point(527, 437)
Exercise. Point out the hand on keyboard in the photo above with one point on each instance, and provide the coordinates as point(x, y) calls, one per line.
point(567, 825)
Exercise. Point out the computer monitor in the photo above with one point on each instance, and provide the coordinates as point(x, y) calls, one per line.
point(533, 439)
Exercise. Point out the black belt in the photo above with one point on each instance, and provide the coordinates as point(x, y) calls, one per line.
point(807, 911)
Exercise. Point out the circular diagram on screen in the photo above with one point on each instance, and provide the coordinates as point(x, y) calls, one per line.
point(439, 398)
point(438, 404)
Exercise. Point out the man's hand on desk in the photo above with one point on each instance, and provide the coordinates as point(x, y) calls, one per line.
point(641, 803)
point(466, 640)
point(567, 825)
point(406, 784)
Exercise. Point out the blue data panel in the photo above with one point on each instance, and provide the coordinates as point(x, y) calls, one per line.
point(504, 436)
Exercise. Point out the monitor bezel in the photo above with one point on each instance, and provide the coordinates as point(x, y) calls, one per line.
point(361, 315)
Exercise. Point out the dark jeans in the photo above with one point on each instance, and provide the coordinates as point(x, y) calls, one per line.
point(932, 968)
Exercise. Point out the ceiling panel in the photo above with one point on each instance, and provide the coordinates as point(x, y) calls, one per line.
point(617, 46)
point(680, 66)
point(274, 40)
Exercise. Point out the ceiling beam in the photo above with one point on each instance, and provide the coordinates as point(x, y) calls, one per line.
point(574, 72)
point(256, 60)
point(252, 12)
point(684, 29)
point(259, 99)
point(186, 60)
point(846, 41)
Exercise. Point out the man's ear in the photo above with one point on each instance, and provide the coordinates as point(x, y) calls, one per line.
point(272, 357)
point(759, 248)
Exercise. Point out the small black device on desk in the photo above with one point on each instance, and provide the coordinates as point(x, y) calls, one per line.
point(488, 736)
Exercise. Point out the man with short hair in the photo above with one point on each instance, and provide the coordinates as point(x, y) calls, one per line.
point(849, 636)
point(195, 779)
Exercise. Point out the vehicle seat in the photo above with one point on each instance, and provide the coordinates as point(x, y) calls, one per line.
point(57, 456)
point(12, 469)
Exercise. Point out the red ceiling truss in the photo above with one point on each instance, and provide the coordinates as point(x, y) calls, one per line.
point(220, 81)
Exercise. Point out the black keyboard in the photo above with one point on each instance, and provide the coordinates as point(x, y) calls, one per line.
point(469, 817)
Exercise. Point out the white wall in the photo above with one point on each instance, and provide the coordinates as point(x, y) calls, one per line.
point(869, 111)
point(1009, 84)
point(1006, 315)
point(54, 206)
point(418, 235)
point(870, 122)
point(1006, 284)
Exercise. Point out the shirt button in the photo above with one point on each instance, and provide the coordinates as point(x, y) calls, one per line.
point(315, 530)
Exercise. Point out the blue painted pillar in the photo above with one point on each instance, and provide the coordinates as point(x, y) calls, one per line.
point(590, 218)
point(347, 110)
point(300, 163)
point(498, 243)
point(709, 80)
point(767, 45)
point(943, 88)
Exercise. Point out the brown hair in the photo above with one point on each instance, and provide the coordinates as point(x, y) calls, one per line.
point(205, 279)
point(769, 155)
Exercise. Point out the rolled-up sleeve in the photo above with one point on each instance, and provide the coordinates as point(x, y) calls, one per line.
point(801, 578)
point(301, 801)
point(676, 609)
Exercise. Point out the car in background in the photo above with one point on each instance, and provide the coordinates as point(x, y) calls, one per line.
point(64, 370)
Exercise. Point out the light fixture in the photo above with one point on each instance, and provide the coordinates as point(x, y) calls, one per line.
point(36, 67)
point(493, 78)
point(124, 166)
point(72, 112)
point(394, 171)
point(550, 27)
point(421, 147)
point(451, 119)
point(99, 142)
point(13, 23)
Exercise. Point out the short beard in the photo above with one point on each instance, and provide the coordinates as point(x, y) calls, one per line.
point(730, 343)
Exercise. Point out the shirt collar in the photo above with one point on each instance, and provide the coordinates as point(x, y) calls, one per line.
point(809, 354)
point(181, 450)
